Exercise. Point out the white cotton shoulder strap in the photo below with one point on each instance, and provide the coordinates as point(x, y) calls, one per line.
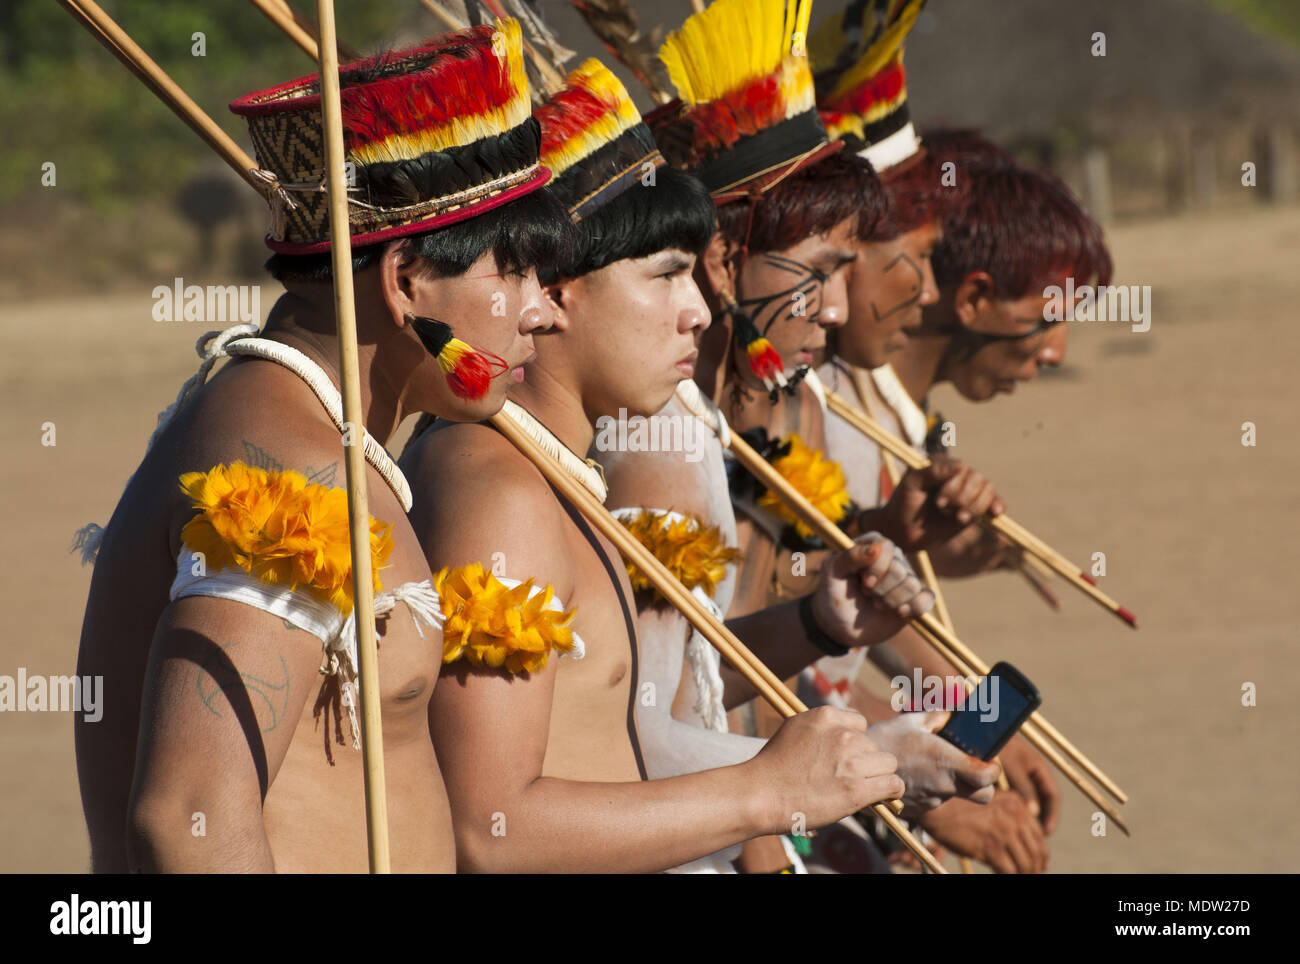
point(689, 394)
point(814, 383)
point(586, 472)
point(323, 388)
point(241, 340)
point(897, 398)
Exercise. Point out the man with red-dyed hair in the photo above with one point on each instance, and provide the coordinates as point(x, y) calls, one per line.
point(1006, 233)
point(1011, 235)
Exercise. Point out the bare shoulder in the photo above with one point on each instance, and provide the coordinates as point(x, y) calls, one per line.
point(258, 413)
point(252, 412)
point(673, 476)
point(478, 499)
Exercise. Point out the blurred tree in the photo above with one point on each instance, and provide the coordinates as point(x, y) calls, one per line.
point(69, 101)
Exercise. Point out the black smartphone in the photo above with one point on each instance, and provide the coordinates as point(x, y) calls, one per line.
point(993, 712)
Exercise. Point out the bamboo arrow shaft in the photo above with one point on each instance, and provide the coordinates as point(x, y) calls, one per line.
point(1003, 524)
point(121, 46)
point(766, 683)
point(372, 740)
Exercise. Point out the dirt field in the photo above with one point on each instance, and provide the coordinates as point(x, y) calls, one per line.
point(1133, 449)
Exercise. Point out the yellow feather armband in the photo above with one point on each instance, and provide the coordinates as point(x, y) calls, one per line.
point(499, 626)
point(693, 552)
point(819, 480)
point(279, 529)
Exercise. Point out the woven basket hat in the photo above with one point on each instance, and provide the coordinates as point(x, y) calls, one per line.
point(435, 135)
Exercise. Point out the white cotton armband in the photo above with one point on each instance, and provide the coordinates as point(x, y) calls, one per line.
point(298, 607)
point(304, 611)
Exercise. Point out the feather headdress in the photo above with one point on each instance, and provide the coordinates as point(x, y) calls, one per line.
point(436, 134)
point(861, 85)
point(746, 115)
point(593, 140)
point(746, 119)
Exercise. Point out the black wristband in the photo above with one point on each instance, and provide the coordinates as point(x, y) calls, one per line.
point(815, 634)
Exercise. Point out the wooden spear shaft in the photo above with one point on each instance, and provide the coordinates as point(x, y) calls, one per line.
point(372, 739)
point(298, 29)
point(764, 681)
point(282, 17)
point(121, 46)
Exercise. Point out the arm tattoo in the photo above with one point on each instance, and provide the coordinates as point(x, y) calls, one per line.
point(260, 458)
point(323, 476)
point(217, 677)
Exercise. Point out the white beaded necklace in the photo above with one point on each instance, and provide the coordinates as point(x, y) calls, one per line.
point(585, 471)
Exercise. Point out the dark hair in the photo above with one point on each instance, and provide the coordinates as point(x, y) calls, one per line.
point(673, 212)
point(913, 192)
point(809, 202)
point(532, 231)
point(1023, 227)
point(962, 146)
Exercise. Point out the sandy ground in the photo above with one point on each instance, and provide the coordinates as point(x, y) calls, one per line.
point(1133, 449)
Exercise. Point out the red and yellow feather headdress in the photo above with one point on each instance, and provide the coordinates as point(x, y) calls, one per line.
point(436, 134)
point(746, 114)
point(861, 85)
point(593, 140)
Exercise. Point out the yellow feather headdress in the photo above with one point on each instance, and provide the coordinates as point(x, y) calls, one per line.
point(747, 104)
point(857, 59)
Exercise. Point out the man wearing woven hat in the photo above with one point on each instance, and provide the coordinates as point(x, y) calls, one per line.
point(542, 754)
point(219, 611)
point(752, 135)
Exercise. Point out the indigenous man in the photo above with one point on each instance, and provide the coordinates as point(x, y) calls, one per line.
point(685, 728)
point(208, 625)
point(789, 212)
point(542, 755)
point(926, 188)
point(1009, 236)
point(1008, 233)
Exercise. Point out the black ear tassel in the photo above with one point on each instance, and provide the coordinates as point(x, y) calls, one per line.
point(796, 377)
point(434, 334)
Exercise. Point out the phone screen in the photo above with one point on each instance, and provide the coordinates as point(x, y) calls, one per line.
point(993, 713)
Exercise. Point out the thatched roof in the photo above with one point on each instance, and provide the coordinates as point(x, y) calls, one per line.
point(1024, 68)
